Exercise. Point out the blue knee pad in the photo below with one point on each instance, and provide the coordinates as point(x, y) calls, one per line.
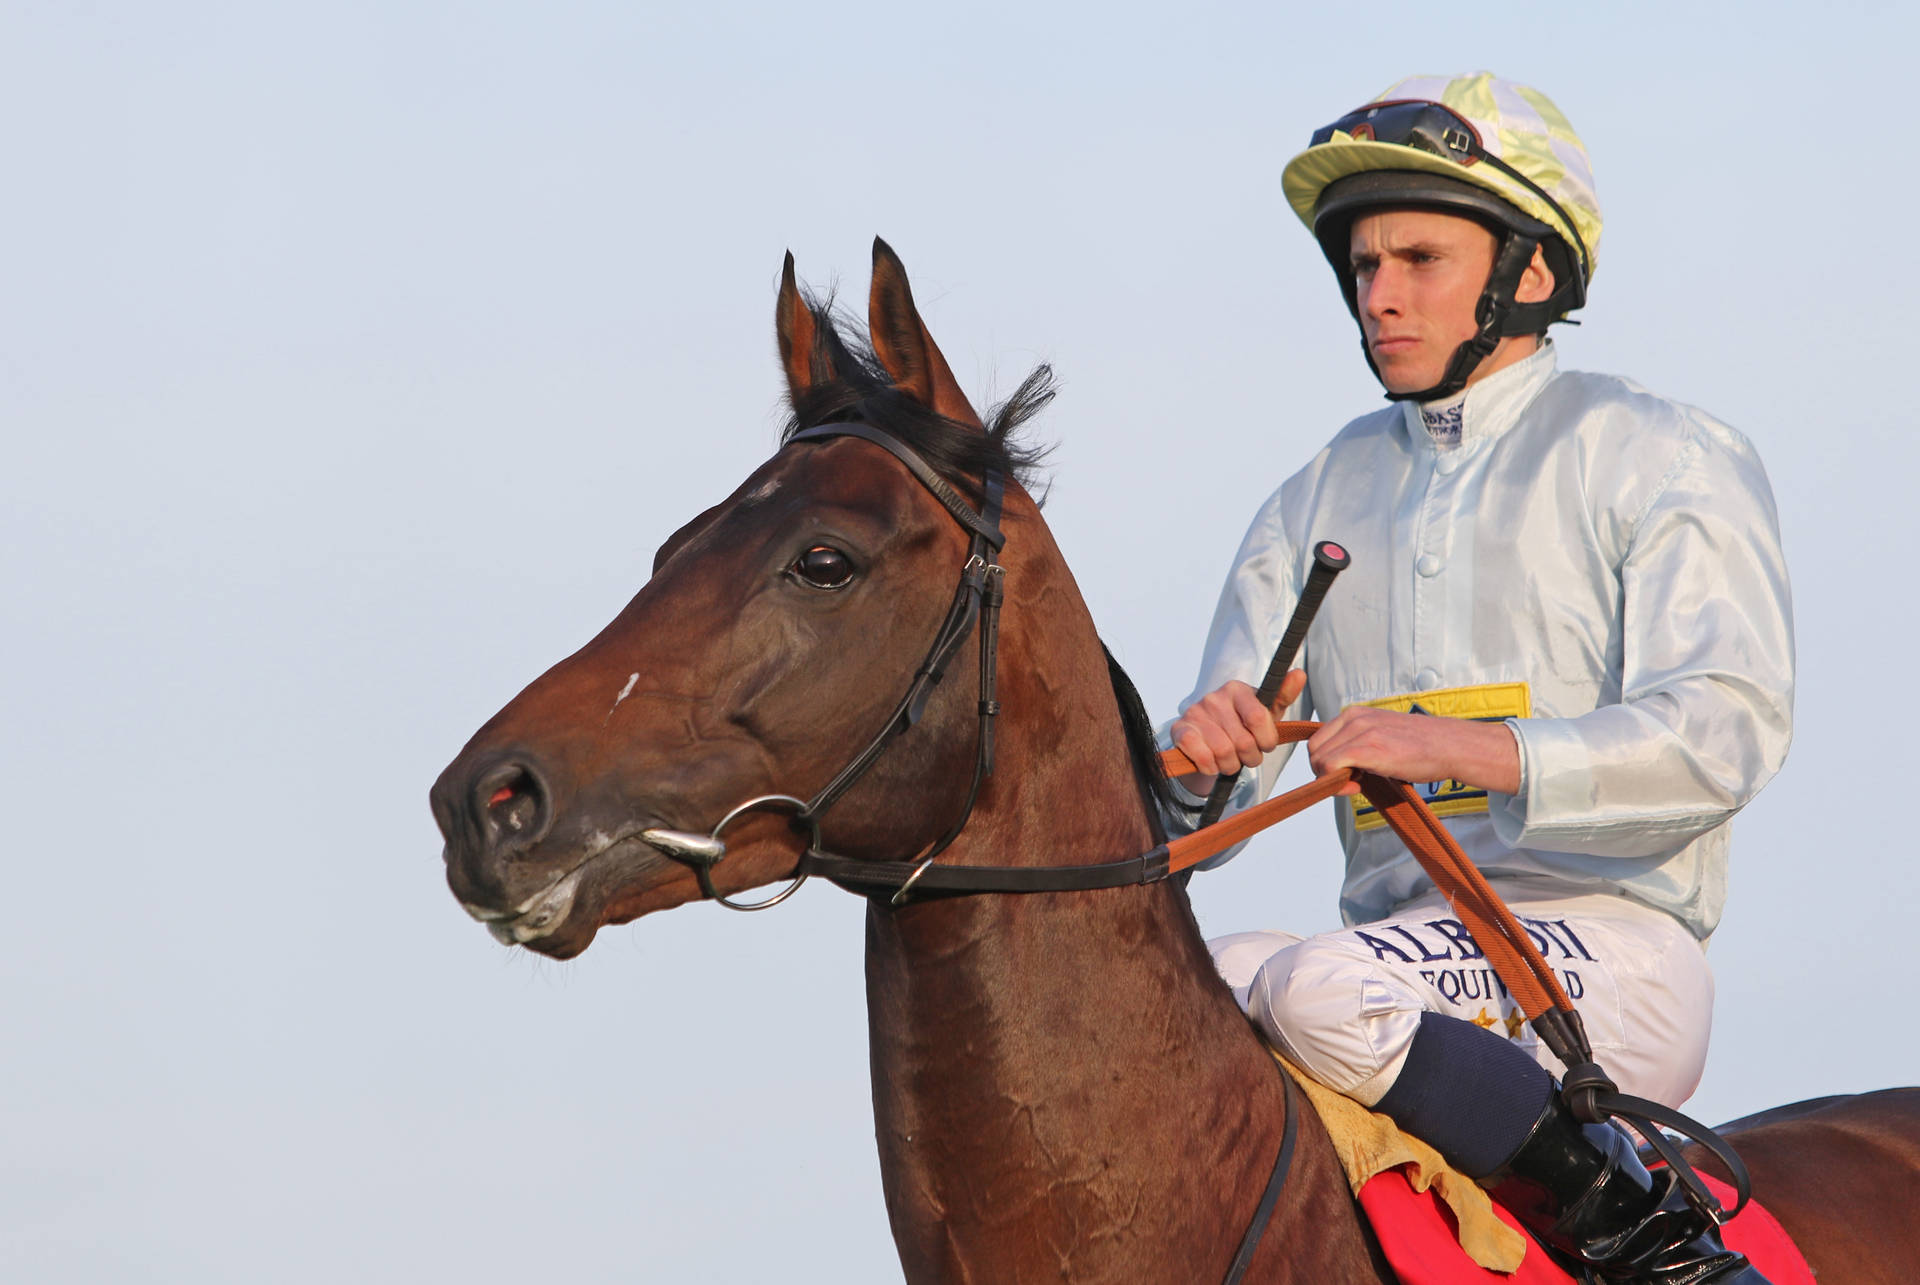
point(1470, 1094)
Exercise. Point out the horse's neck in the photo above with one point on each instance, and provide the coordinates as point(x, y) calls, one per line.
point(1057, 1076)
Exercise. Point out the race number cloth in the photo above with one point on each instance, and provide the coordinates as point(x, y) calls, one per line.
point(1344, 1006)
point(1487, 703)
point(1438, 1227)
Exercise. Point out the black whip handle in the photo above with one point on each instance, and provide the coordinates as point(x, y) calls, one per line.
point(1329, 560)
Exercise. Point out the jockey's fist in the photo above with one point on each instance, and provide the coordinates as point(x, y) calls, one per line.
point(1228, 729)
point(1417, 747)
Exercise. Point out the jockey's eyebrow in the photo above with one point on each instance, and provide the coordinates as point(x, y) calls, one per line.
point(1403, 250)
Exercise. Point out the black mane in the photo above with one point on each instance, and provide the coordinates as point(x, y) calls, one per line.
point(857, 388)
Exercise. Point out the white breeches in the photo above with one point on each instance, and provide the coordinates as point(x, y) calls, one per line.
point(1344, 1006)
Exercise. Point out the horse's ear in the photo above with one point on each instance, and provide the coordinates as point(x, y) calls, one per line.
point(794, 324)
point(901, 341)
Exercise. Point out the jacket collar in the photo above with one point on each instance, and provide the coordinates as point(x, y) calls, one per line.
point(1494, 404)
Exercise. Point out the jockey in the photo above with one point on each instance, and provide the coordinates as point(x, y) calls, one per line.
point(1567, 618)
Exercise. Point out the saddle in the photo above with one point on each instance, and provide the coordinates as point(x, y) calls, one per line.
point(1437, 1226)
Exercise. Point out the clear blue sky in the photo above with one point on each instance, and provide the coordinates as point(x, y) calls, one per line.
point(355, 357)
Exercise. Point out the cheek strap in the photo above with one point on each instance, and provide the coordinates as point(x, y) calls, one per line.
point(1496, 314)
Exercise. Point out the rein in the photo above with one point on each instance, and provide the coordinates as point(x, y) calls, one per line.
point(1588, 1091)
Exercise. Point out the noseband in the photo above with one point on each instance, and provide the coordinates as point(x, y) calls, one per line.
point(976, 602)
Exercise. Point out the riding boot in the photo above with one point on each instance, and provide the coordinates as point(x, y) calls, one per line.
point(1583, 1191)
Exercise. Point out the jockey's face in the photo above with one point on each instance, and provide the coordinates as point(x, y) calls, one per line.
point(1417, 275)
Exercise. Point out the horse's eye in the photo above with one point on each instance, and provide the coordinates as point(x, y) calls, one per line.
point(824, 568)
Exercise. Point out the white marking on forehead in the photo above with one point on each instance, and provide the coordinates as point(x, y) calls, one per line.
point(762, 491)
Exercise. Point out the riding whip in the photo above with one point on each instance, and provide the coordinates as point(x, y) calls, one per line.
point(1329, 560)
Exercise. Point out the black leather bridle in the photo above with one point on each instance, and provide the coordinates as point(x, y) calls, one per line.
point(976, 602)
point(976, 605)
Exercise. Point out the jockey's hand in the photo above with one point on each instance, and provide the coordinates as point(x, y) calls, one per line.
point(1417, 747)
point(1228, 729)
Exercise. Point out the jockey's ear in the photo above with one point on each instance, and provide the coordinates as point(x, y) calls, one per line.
point(901, 341)
point(801, 355)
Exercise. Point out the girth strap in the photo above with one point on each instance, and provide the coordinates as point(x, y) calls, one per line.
point(1293, 1105)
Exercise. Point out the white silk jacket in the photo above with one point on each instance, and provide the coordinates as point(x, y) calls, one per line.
point(1596, 566)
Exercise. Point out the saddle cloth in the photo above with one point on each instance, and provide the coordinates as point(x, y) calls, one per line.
point(1439, 1227)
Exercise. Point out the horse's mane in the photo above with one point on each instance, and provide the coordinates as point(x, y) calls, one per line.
point(1144, 750)
point(859, 389)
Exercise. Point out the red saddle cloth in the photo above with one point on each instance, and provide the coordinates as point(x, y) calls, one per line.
point(1416, 1232)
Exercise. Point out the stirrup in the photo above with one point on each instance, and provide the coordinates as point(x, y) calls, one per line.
point(1582, 1189)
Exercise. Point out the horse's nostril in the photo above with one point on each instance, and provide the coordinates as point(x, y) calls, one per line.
point(513, 811)
point(513, 807)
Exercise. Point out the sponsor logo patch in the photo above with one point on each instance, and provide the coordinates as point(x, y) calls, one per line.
point(1462, 976)
point(1487, 703)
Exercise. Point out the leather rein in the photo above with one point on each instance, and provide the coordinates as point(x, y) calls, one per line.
point(976, 606)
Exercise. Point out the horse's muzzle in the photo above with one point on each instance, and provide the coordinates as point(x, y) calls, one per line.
point(491, 811)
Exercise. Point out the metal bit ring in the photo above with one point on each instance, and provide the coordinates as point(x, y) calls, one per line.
point(704, 870)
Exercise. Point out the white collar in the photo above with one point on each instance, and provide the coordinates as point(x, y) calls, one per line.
point(1491, 406)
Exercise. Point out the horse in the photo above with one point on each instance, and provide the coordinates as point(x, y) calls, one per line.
point(1063, 1089)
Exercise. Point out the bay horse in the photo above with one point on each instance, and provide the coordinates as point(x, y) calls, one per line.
point(1063, 1089)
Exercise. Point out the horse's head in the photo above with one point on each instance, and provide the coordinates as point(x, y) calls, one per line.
point(778, 631)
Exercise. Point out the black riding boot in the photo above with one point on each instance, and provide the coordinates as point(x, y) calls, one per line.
point(1582, 1189)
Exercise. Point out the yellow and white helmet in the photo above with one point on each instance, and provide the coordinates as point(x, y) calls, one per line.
point(1475, 145)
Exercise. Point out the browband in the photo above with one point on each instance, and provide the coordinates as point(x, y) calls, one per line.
point(984, 524)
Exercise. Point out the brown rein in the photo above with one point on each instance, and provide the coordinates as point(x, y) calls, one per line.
point(1516, 961)
point(1480, 908)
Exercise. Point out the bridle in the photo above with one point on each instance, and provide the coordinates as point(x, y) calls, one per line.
point(976, 603)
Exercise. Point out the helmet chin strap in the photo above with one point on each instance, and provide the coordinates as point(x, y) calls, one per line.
point(1498, 316)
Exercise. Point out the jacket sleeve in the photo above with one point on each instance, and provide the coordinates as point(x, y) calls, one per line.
point(1706, 682)
point(1259, 594)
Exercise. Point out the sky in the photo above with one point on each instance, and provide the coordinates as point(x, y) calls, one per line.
point(354, 358)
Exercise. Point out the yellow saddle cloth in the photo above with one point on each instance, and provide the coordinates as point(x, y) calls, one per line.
point(1369, 1144)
